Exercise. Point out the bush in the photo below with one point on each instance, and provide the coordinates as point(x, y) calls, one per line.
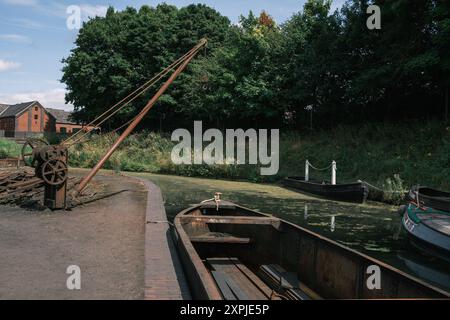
point(9, 149)
point(380, 154)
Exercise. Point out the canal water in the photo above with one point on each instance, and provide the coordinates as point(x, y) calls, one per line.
point(372, 228)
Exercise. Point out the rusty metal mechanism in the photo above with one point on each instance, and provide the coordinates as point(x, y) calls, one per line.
point(50, 164)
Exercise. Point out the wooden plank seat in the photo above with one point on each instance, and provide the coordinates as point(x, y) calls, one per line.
point(275, 222)
point(219, 238)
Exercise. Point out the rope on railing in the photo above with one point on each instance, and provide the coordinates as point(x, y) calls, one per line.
point(319, 169)
point(332, 166)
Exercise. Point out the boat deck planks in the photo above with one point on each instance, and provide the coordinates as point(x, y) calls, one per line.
point(286, 283)
point(226, 270)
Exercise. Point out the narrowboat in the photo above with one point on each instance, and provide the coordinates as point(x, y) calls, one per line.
point(349, 192)
point(229, 252)
point(428, 197)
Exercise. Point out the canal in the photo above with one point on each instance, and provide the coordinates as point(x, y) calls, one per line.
point(372, 228)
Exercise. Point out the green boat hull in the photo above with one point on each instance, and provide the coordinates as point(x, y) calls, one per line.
point(428, 230)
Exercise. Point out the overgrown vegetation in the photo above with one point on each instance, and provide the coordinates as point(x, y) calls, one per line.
point(9, 148)
point(392, 157)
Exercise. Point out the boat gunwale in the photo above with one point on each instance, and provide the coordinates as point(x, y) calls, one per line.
point(419, 221)
point(208, 283)
point(441, 203)
point(445, 194)
point(347, 250)
point(327, 184)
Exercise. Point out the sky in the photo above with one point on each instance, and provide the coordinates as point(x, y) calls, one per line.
point(34, 38)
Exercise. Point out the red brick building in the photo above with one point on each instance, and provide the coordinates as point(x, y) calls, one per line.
point(31, 118)
point(64, 124)
point(25, 119)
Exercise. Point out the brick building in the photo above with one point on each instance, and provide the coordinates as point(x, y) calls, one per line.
point(25, 119)
point(65, 125)
point(31, 118)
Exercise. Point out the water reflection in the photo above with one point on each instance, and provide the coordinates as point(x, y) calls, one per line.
point(373, 229)
point(438, 274)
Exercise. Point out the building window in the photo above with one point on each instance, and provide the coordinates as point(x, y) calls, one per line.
point(36, 109)
point(36, 117)
point(63, 130)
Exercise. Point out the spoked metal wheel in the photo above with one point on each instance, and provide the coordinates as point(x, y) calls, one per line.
point(54, 172)
point(29, 149)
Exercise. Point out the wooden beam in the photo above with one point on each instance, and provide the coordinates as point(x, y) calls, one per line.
point(210, 239)
point(234, 220)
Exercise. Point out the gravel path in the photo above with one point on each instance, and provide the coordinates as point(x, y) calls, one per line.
point(105, 239)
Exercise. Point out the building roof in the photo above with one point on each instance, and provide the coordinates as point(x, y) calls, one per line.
point(3, 107)
point(15, 109)
point(61, 116)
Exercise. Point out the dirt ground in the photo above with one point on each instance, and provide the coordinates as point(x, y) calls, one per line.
point(105, 239)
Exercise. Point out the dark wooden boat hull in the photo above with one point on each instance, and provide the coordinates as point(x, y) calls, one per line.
point(351, 192)
point(431, 198)
point(329, 269)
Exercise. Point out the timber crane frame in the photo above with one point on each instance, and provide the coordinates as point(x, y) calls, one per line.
point(51, 161)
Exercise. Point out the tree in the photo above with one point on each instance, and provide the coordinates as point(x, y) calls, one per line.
point(116, 54)
point(310, 74)
point(234, 84)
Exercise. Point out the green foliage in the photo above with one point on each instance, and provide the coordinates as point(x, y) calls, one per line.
point(116, 54)
point(259, 74)
point(394, 190)
point(9, 149)
point(392, 157)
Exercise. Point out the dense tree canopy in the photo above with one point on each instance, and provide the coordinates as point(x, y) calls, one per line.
point(258, 73)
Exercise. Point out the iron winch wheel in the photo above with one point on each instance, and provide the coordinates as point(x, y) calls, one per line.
point(54, 172)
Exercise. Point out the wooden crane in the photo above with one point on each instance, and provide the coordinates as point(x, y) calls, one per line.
point(50, 161)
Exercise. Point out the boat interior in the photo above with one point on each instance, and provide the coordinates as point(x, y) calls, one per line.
point(232, 253)
point(241, 256)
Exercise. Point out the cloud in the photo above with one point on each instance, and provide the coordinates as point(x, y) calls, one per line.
point(24, 23)
point(31, 3)
point(91, 11)
point(27, 23)
point(8, 65)
point(15, 38)
point(52, 98)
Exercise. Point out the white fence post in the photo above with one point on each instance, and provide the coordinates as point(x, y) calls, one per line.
point(333, 172)
point(307, 170)
point(333, 223)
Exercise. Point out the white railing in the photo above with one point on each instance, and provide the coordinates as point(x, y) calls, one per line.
point(333, 167)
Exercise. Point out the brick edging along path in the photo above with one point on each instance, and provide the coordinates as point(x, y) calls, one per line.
point(164, 277)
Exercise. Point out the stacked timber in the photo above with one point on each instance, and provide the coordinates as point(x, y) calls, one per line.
point(21, 187)
point(15, 185)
